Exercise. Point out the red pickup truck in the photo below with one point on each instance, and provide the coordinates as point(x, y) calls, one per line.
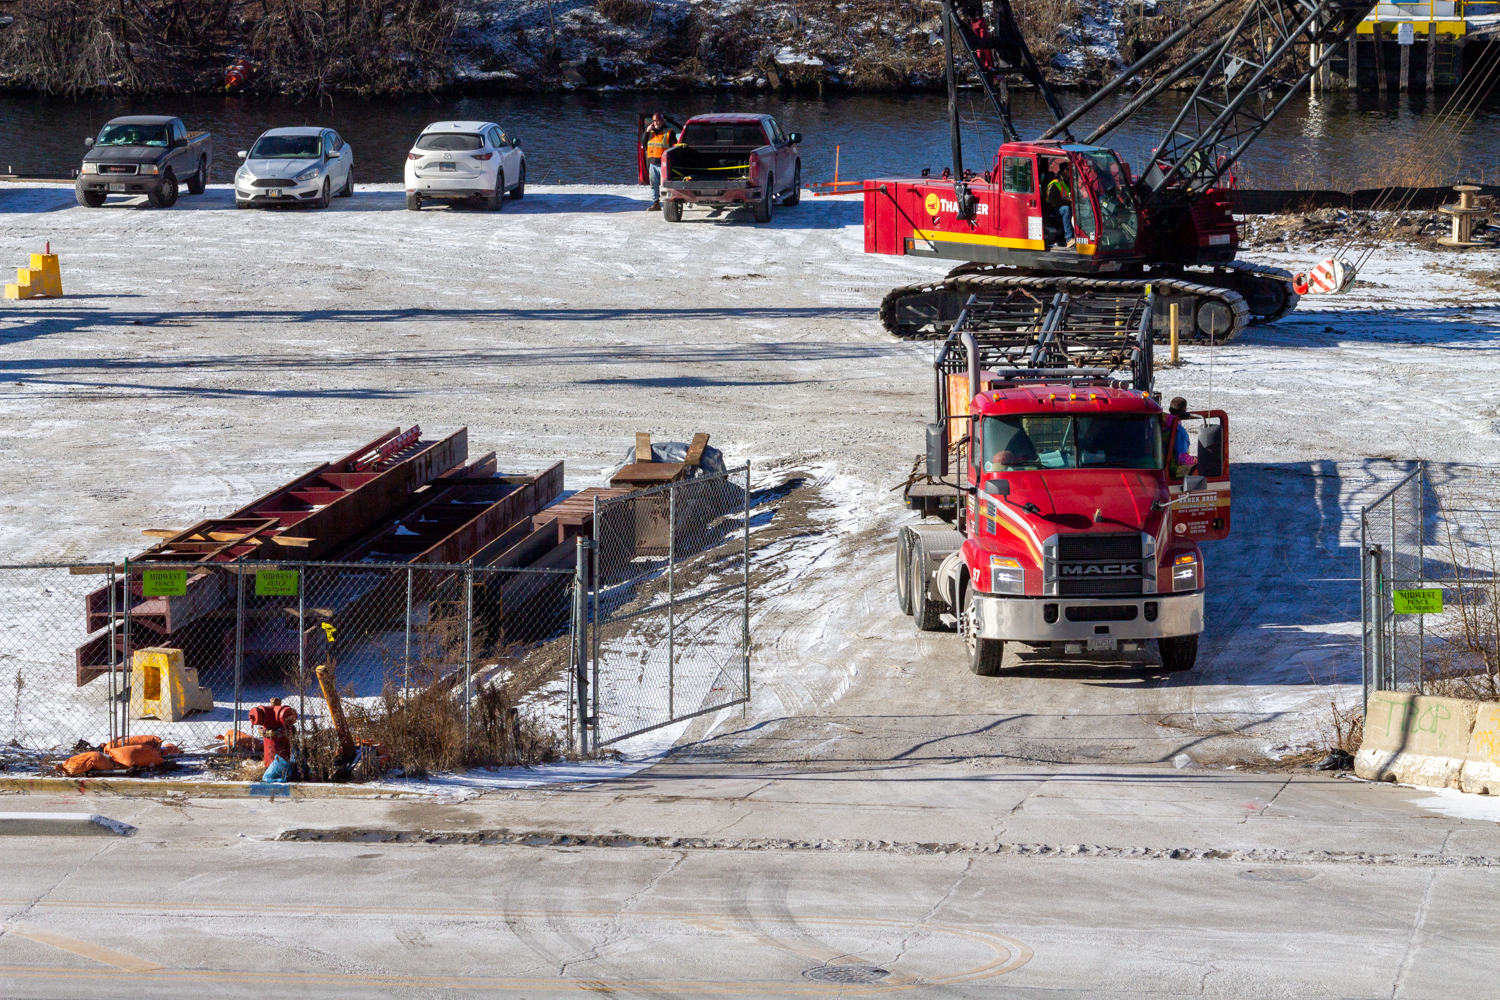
point(732, 161)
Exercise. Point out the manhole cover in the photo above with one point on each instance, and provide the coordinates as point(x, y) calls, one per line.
point(1275, 875)
point(849, 974)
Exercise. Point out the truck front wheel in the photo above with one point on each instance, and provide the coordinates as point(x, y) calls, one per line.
point(165, 195)
point(1178, 652)
point(985, 655)
point(93, 199)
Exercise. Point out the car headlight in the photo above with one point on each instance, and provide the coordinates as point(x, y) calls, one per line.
point(148, 168)
point(1185, 573)
point(91, 168)
point(1006, 576)
point(307, 175)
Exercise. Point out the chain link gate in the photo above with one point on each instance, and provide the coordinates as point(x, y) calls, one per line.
point(669, 597)
point(1392, 538)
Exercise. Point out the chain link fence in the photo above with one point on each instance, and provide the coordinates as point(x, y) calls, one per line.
point(652, 629)
point(670, 599)
point(91, 653)
point(1430, 584)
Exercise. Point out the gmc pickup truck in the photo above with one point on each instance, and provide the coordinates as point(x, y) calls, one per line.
point(732, 161)
point(144, 154)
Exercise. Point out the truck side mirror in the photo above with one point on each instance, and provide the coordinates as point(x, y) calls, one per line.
point(1211, 450)
point(1194, 484)
point(89, 142)
point(794, 137)
point(515, 144)
point(997, 487)
point(937, 450)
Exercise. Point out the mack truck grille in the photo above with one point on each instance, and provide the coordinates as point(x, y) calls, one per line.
point(1090, 565)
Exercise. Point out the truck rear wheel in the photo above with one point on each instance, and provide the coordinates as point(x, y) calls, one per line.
point(199, 180)
point(93, 199)
point(671, 210)
point(903, 572)
point(924, 610)
point(762, 208)
point(1178, 652)
point(985, 655)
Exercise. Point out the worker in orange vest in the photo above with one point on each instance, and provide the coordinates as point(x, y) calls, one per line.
point(659, 139)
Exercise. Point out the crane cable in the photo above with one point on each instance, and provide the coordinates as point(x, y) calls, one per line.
point(1463, 103)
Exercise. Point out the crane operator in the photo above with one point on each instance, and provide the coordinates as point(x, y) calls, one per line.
point(1059, 200)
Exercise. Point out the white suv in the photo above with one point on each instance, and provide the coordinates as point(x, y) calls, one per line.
point(458, 161)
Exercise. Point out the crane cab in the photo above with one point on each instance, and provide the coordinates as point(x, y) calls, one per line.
point(1010, 221)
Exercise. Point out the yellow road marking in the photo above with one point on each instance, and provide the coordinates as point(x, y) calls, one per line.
point(89, 950)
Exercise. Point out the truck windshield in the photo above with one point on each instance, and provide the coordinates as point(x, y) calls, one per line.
point(1103, 173)
point(1058, 441)
point(451, 141)
point(737, 134)
point(133, 135)
point(287, 147)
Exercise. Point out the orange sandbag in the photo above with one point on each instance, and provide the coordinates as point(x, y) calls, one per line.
point(170, 749)
point(244, 742)
point(83, 763)
point(133, 741)
point(136, 756)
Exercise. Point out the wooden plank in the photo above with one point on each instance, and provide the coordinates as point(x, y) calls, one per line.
point(694, 455)
point(643, 446)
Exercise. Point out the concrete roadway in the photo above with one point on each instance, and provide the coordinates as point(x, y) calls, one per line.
point(693, 879)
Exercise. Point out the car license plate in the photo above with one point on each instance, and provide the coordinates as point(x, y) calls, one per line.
point(275, 193)
point(117, 187)
point(447, 166)
point(1103, 644)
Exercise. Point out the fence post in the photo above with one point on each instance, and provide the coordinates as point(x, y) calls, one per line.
point(581, 637)
point(406, 670)
point(125, 657)
point(745, 642)
point(671, 598)
point(301, 650)
point(1421, 574)
point(239, 643)
point(1377, 612)
point(468, 648)
point(112, 700)
point(592, 717)
point(1365, 638)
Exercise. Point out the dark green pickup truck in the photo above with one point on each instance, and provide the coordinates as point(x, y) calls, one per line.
point(144, 154)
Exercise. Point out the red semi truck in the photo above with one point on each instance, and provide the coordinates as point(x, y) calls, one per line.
point(1062, 520)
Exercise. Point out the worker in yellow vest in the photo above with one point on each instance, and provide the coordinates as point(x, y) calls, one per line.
point(659, 139)
point(1058, 199)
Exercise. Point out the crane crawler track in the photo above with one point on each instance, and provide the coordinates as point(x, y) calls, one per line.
point(927, 311)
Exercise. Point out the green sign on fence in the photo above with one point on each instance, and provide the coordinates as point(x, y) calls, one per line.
point(276, 583)
point(164, 582)
point(1418, 602)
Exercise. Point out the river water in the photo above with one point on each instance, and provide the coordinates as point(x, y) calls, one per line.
point(1342, 141)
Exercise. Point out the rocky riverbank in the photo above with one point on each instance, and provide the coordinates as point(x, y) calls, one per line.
point(309, 47)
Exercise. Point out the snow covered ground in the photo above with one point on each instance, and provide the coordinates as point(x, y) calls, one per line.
point(204, 355)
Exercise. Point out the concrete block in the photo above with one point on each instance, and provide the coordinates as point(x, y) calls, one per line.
point(1416, 739)
point(47, 278)
point(40, 824)
point(162, 688)
point(1481, 772)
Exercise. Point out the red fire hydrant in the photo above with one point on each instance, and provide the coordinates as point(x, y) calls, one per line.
point(277, 721)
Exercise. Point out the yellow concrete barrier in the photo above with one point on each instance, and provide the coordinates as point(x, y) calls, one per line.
point(42, 280)
point(162, 688)
point(1437, 742)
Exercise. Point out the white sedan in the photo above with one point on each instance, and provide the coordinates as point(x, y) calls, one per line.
point(289, 165)
point(462, 161)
